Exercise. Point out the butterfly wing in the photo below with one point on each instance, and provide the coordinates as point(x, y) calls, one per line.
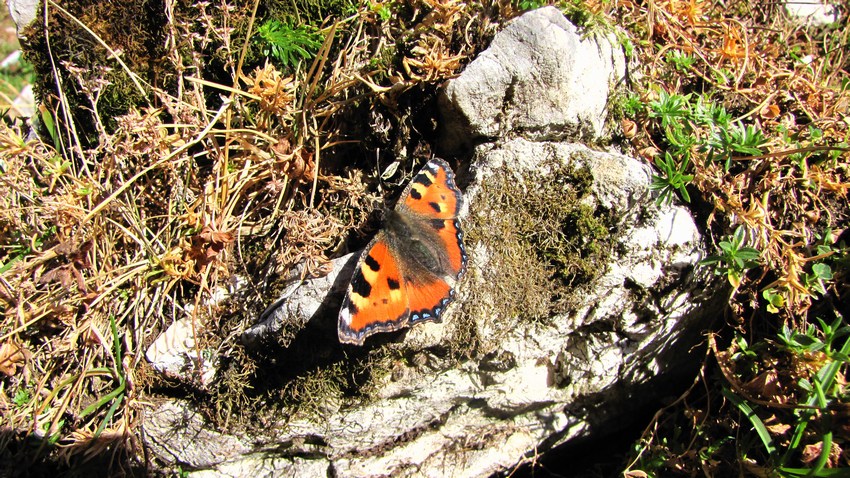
point(377, 298)
point(433, 197)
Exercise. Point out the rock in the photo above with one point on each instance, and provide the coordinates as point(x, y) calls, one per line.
point(175, 355)
point(539, 79)
point(301, 302)
point(582, 299)
point(815, 12)
point(179, 435)
point(23, 13)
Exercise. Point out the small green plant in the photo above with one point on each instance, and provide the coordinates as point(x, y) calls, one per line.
point(22, 397)
point(682, 140)
point(815, 280)
point(808, 341)
point(736, 139)
point(670, 108)
point(526, 5)
point(682, 62)
point(734, 259)
point(289, 44)
point(821, 389)
point(632, 105)
point(671, 179)
point(708, 113)
point(775, 300)
point(383, 10)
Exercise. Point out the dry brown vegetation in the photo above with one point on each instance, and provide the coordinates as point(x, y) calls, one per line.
point(172, 159)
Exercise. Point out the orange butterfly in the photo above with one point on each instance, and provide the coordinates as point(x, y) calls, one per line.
point(408, 272)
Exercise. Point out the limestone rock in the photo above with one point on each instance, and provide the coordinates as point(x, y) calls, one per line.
point(815, 12)
point(538, 79)
point(23, 13)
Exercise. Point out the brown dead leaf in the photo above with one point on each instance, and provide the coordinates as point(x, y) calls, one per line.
point(766, 385)
point(61, 274)
point(215, 237)
point(629, 128)
point(12, 356)
point(778, 429)
point(813, 451)
point(208, 244)
point(769, 111)
point(775, 427)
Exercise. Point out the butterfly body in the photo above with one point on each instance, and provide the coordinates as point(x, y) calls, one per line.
point(408, 273)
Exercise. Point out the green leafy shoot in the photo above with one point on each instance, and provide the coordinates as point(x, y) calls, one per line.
point(22, 397)
point(815, 280)
point(735, 258)
point(775, 300)
point(736, 140)
point(682, 62)
point(820, 389)
point(288, 44)
point(633, 106)
point(671, 109)
point(525, 5)
point(754, 419)
point(671, 179)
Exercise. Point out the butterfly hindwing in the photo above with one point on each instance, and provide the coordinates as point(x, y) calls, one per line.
point(377, 297)
point(427, 301)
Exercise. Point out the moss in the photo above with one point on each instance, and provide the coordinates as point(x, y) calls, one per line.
point(544, 241)
point(315, 393)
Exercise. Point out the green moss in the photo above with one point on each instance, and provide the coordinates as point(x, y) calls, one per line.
point(316, 393)
point(544, 239)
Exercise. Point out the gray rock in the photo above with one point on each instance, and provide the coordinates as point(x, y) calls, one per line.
point(539, 79)
point(23, 13)
point(177, 434)
point(815, 12)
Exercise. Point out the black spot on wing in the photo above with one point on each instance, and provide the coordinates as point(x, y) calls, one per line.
point(360, 286)
point(424, 180)
point(435, 206)
point(394, 284)
point(352, 309)
point(372, 263)
point(438, 224)
point(415, 194)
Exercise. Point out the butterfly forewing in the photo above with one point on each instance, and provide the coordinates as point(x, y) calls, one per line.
point(432, 192)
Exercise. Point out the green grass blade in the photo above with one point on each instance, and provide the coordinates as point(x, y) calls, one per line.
point(758, 425)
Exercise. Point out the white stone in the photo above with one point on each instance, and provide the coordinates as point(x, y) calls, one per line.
point(23, 12)
point(540, 77)
point(813, 11)
point(175, 355)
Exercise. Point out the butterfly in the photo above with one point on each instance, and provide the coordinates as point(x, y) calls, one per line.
point(408, 273)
